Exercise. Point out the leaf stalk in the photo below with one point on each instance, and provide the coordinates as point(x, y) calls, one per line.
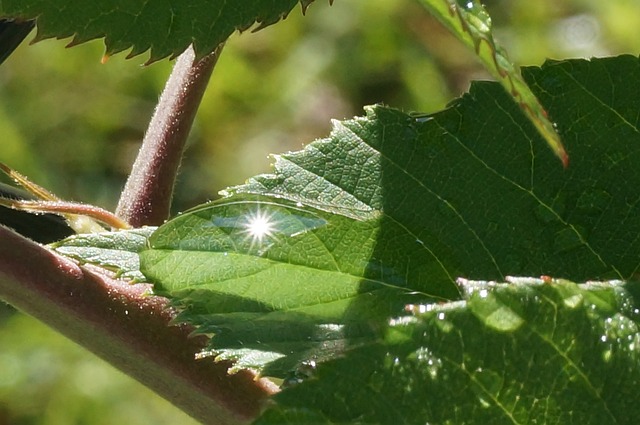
point(146, 198)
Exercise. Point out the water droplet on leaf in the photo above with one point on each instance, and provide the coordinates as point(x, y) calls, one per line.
point(253, 227)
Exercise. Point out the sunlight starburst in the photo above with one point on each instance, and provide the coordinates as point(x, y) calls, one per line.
point(259, 226)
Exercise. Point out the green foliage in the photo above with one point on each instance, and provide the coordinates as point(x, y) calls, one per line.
point(315, 259)
point(117, 251)
point(166, 31)
point(267, 275)
point(485, 197)
point(474, 186)
point(272, 89)
point(517, 353)
point(143, 25)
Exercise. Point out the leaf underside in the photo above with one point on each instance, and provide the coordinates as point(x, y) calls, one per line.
point(165, 28)
point(116, 251)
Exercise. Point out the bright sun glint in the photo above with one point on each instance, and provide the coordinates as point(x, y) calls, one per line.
point(259, 226)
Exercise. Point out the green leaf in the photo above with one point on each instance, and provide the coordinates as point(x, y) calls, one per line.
point(470, 22)
point(475, 185)
point(392, 207)
point(275, 276)
point(569, 355)
point(164, 28)
point(116, 251)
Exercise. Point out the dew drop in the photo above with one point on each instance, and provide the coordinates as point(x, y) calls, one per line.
point(478, 18)
point(484, 403)
point(433, 363)
point(304, 371)
point(253, 227)
point(419, 117)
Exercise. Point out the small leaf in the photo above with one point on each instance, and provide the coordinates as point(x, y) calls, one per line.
point(116, 251)
point(140, 25)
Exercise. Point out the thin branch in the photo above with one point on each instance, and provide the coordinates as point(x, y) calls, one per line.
point(69, 210)
point(128, 328)
point(146, 198)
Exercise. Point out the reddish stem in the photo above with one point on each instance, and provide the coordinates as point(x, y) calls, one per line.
point(128, 328)
point(146, 198)
point(118, 321)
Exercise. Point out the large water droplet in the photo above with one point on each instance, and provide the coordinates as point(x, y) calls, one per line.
point(255, 226)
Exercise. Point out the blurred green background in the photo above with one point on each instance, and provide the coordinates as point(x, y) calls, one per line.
point(74, 126)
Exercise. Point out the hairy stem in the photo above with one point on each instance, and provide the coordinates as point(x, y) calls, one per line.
point(128, 328)
point(146, 198)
